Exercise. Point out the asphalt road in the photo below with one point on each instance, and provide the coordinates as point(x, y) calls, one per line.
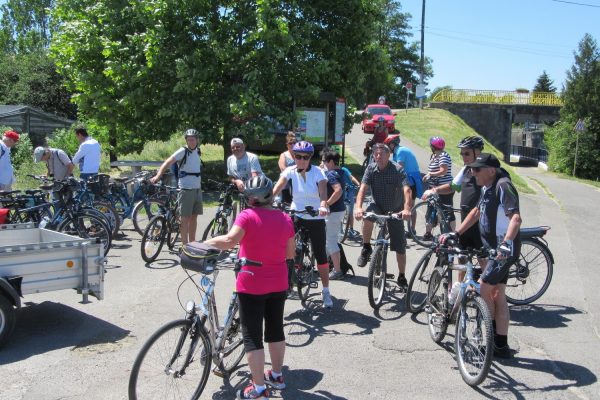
point(62, 349)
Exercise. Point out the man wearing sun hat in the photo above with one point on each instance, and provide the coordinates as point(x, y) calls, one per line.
point(499, 221)
point(7, 177)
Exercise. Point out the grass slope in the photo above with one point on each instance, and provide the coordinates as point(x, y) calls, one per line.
point(419, 125)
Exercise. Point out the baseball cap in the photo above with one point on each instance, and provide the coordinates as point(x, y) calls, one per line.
point(12, 135)
point(236, 141)
point(38, 153)
point(485, 160)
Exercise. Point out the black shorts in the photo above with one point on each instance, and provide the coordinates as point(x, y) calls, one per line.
point(471, 238)
point(396, 230)
point(497, 271)
point(256, 308)
point(317, 234)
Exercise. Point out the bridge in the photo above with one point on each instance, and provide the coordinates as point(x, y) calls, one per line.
point(492, 113)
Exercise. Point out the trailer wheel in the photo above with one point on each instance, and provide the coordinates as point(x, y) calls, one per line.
point(7, 318)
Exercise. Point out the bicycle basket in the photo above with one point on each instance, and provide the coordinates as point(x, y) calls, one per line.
point(199, 257)
point(99, 184)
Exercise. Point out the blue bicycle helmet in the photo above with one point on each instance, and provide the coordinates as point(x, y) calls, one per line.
point(303, 147)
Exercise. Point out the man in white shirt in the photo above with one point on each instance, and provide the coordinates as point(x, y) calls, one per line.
point(7, 178)
point(241, 165)
point(88, 155)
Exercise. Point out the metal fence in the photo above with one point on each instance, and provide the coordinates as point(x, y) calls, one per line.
point(533, 153)
point(497, 97)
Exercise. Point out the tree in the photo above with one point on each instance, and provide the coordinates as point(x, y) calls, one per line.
point(25, 25)
point(544, 84)
point(150, 67)
point(581, 97)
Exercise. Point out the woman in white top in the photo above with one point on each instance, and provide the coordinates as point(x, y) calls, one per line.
point(309, 188)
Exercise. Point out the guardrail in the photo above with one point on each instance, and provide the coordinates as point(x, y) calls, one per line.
point(534, 153)
point(497, 97)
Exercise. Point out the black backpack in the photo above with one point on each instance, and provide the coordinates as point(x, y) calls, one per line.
point(176, 167)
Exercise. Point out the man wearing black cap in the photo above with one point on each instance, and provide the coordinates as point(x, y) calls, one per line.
point(499, 222)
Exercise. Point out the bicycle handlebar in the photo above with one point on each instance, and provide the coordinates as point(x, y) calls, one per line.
point(380, 216)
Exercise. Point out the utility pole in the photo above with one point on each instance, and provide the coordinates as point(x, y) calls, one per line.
point(421, 79)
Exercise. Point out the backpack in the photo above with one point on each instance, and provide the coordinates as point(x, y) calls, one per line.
point(176, 167)
point(344, 264)
point(55, 153)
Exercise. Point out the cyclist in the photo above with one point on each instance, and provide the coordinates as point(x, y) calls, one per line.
point(87, 156)
point(261, 290)
point(465, 183)
point(335, 201)
point(57, 161)
point(379, 134)
point(439, 173)
point(286, 159)
point(407, 160)
point(499, 221)
point(189, 181)
point(309, 188)
point(241, 165)
point(7, 177)
point(391, 193)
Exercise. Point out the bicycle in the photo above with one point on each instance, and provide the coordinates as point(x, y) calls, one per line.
point(190, 345)
point(377, 275)
point(473, 341)
point(305, 271)
point(226, 211)
point(531, 274)
point(162, 227)
point(430, 213)
point(528, 277)
point(350, 195)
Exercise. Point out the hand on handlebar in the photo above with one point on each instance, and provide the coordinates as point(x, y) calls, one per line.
point(504, 250)
point(444, 237)
point(404, 215)
point(154, 179)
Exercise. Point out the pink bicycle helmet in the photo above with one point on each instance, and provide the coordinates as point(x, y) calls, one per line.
point(303, 147)
point(437, 143)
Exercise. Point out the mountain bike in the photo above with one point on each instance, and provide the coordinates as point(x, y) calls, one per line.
point(305, 271)
point(430, 215)
point(473, 341)
point(346, 227)
point(162, 227)
point(377, 275)
point(226, 211)
point(175, 361)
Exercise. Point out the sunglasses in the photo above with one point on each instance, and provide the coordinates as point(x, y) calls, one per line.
point(465, 154)
point(301, 157)
point(476, 169)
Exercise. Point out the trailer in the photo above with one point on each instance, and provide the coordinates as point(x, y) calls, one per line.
point(37, 260)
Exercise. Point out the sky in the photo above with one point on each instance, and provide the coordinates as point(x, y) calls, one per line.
point(502, 44)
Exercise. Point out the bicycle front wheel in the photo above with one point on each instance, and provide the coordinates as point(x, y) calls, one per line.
point(173, 364)
point(473, 341)
point(88, 226)
point(437, 301)
point(531, 275)
point(377, 277)
point(345, 228)
point(154, 238)
point(231, 349)
point(173, 234)
point(306, 276)
point(416, 295)
point(216, 227)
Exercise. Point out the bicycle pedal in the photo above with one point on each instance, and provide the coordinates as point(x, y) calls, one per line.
point(218, 372)
point(314, 285)
point(428, 309)
point(437, 319)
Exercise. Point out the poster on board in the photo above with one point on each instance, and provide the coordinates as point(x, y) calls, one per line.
point(340, 117)
point(311, 125)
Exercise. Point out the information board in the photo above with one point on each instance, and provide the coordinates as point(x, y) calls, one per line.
point(311, 125)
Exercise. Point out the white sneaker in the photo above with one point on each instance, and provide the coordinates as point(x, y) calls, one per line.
point(327, 301)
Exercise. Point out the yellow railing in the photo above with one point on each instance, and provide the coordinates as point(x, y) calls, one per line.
point(497, 97)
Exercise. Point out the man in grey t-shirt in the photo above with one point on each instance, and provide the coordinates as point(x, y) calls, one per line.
point(57, 161)
point(242, 165)
point(190, 197)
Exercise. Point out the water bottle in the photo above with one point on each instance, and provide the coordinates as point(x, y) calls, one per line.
point(454, 293)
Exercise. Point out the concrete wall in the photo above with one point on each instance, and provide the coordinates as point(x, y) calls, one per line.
point(494, 121)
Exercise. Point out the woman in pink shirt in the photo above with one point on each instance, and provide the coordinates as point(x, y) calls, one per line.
point(265, 235)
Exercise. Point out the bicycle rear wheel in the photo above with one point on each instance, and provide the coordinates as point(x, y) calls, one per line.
point(437, 301)
point(143, 213)
point(154, 238)
point(173, 364)
point(111, 214)
point(173, 231)
point(377, 277)
point(416, 295)
point(531, 275)
point(231, 349)
point(473, 341)
point(216, 227)
point(420, 220)
point(87, 225)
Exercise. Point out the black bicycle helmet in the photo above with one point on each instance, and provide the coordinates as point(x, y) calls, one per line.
point(471, 142)
point(259, 191)
point(191, 132)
